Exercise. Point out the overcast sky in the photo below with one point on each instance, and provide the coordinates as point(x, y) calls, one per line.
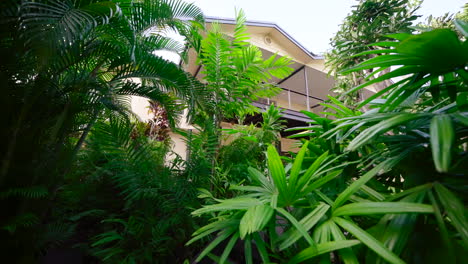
point(311, 22)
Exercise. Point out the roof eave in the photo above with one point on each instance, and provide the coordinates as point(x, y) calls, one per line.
point(266, 24)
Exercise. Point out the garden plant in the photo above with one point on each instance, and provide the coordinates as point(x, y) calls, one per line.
point(376, 179)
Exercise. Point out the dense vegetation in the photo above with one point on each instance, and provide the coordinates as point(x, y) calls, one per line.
point(370, 187)
point(68, 66)
point(82, 178)
point(367, 24)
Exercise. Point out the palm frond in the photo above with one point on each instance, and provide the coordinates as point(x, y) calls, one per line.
point(33, 192)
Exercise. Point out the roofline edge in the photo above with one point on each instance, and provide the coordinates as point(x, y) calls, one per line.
point(221, 20)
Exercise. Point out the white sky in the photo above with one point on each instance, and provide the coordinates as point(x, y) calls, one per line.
point(311, 22)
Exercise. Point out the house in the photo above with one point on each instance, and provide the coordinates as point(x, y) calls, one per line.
point(303, 89)
point(306, 87)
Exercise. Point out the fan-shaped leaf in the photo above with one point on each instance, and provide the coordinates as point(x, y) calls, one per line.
point(255, 219)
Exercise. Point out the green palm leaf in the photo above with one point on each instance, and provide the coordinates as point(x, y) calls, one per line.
point(454, 209)
point(442, 139)
point(322, 248)
point(309, 221)
point(276, 168)
point(368, 240)
point(255, 219)
point(371, 208)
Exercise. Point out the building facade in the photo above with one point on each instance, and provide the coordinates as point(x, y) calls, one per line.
point(304, 89)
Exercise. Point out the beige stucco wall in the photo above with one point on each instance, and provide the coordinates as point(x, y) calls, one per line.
point(318, 65)
point(271, 39)
point(178, 146)
point(140, 107)
point(285, 48)
point(275, 46)
point(288, 144)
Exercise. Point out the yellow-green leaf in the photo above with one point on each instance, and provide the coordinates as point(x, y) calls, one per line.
point(255, 219)
point(322, 248)
point(382, 208)
point(442, 138)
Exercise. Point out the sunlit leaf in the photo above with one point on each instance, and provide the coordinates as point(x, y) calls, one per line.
point(292, 235)
point(255, 219)
point(368, 240)
point(382, 208)
point(354, 187)
point(322, 248)
point(276, 168)
point(442, 138)
point(300, 228)
point(238, 203)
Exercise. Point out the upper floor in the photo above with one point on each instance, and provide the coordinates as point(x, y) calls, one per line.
point(308, 84)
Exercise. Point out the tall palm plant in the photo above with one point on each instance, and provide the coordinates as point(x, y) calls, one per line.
point(65, 64)
point(422, 119)
point(419, 120)
point(235, 74)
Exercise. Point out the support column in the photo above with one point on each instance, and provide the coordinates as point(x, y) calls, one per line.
point(307, 89)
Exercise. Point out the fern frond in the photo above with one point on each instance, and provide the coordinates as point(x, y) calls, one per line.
point(21, 221)
point(33, 192)
point(137, 170)
point(56, 234)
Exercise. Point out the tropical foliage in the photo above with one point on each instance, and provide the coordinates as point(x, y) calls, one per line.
point(287, 203)
point(235, 72)
point(245, 145)
point(65, 64)
point(122, 167)
point(368, 23)
point(380, 182)
point(444, 21)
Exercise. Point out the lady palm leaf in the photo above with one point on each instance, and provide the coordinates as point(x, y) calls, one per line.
point(368, 240)
point(383, 126)
point(265, 197)
point(344, 196)
point(367, 208)
point(434, 55)
point(455, 211)
point(322, 248)
point(255, 219)
point(308, 222)
point(442, 137)
point(276, 169)
point(394, 230)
